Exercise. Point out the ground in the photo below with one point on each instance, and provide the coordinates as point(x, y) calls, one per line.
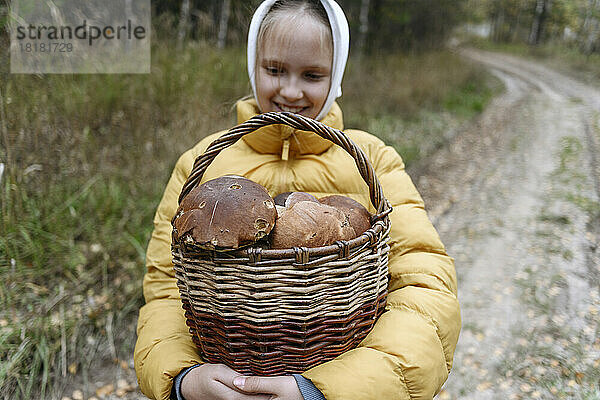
point(515, 198)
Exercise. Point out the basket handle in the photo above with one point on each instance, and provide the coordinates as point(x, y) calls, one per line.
point(298, 122)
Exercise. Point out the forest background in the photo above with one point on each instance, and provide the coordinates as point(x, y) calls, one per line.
point(84, 158)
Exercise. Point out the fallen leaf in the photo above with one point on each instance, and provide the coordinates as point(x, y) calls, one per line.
point(73, 368)
point(525, 388)
point(105, 390)
point(484, 386)
point(558, 320)
point(579, 377)
point(554, 291)
point(77, 395)
point(96, 248)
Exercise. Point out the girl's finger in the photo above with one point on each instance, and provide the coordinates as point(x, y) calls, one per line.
point(225, 375)
point(225, 392)
point(258, 384)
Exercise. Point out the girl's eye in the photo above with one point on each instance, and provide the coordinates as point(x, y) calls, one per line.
point(313, 76)
point(273, 70)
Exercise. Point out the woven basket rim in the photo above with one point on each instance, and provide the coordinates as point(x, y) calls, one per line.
point(254, 255)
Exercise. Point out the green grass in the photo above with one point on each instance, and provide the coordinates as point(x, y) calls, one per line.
point(415, 102)
point(87, 157)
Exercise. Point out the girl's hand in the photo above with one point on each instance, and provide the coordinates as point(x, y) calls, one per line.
point(278, 387)
point(215, 382)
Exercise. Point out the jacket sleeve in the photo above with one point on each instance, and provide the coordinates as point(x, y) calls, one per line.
point(409, 352)
point(164, 346)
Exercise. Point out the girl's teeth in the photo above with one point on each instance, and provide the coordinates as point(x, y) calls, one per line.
point(290, 109)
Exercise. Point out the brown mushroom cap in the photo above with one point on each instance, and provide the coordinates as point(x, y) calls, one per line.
point(281, 198)
point(310, 224)
point(225, 213)
point(358, 216)
point(296, 197)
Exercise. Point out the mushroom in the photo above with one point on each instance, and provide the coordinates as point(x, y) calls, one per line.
point(225, 213)
point(281, 198)
point(310, 224)
point(296, 197)
point(285, 201)
point(358, 216)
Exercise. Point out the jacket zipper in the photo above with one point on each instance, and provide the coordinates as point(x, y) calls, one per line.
point(285, 153)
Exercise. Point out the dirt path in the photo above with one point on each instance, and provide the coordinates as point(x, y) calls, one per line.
point(515, 199)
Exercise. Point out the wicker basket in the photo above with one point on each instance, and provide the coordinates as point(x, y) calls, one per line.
point(273, 312)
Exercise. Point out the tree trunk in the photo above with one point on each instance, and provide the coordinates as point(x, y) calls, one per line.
point(375, 17)
point(184, 17)
point(128, 15)
point(542, 8)
point(223, 24)
point(515, 27)
point(364, 25)
point(497, 25)
point(590, 30)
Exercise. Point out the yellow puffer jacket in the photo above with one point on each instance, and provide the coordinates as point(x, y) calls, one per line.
point(407, 355)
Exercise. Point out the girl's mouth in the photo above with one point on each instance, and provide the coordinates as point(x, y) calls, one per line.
point(292, 109)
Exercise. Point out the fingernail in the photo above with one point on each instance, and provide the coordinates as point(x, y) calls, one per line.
point(239, 381)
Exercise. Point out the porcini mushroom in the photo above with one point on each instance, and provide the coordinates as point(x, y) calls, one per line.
point(358, 216)
point(310, 224)
point(225, 213)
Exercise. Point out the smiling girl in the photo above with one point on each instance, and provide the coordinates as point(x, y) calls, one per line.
point(297, 51)
point(294, 60)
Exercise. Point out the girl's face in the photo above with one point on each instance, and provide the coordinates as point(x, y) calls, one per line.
point(296, 77)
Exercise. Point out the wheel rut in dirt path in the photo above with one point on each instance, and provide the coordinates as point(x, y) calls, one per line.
point(515, 200)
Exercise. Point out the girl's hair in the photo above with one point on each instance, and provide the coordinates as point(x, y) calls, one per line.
point(294, 13)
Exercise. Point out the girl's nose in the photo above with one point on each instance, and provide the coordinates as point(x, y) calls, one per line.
point(290, 90)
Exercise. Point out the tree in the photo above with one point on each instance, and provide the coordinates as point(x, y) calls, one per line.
point(223, 24)
point(364, 25)
point(590, 28)
point(184, 17)
point(542, 9)
point(404, 24)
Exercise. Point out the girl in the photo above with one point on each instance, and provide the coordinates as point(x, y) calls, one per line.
point(297, 50)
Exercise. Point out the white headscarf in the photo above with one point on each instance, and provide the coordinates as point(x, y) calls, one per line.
point(341, 42)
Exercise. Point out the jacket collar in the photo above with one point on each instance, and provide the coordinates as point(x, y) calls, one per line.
point(284, 140)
